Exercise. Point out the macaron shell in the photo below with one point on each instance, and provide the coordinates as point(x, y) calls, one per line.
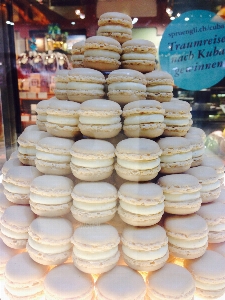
point(84, 95)
point(64, 131)
point(50, 210)
point(126, 96)
point(100, 132)
point(91, 174)
point(151, 130)
point(183, 207)
point(17, 198)
point(176, 167)
point(52, 168)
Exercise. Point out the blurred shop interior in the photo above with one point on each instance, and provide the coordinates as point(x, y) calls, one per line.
point(38, 36)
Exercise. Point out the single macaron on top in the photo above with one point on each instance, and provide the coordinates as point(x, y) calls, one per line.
point(49, 240)
point(67, 282)
point(95, 248)
point(53, 155)
point(159, 86)
point(170, 282)
point(182, 193)
point(24, 277)
point(14, 225)
point(27, 145)
point(126, 85)
point(94, 202)
point(92, 160)
point(208, 272)
point(115, 25)
point(145, 248)
point(214, 213)
point(216, 163)
point(50, 195)
point(42, 113)
point(120, 283)
point(188, 235)
point(85, 84)
point(137, 159)
point(77, 56)
point(143, 118)
point(99, 118)
point(176, 154)
point(62, 118)
point(17, 183)
point(141, 204)
point(61, 81)
point(139, 54)
point(208, 178)
point(177, 118)
point(102, 53)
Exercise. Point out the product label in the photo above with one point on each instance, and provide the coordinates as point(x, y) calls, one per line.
point(192, 50)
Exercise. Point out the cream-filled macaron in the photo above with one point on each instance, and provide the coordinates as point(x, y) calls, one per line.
point(11, 163)
point(176, 155)
point(208, 272)
point(137, 159)
point(197, 131)
point(77, 56)
point(62, 118)
point(177, 118)
point(120, 283)
point(208, 178)
point(182, 193)
point(141, 204)
point(61, 81)
point(49, 240)
point(94, 202)
point(27, 145)
point(126, 85)
point(95, 249)
point(14, 225)
point(102, 53)
point(145, 249)
point(159, 86)
point(115, 25)
point(217, 164)
point(24, 278)
point(143, 118)
point(85, 84)
point(188, 235)
point(214, 213)
point(17, 183)
point(41, 110)
point(100, 118)
point(170, 282)
point(5, 254)
point(67, 282)
point(139, 54)
point(92, 160)
point(53, 156)
point(50, 195)
point(198, 149)
point(4, 203)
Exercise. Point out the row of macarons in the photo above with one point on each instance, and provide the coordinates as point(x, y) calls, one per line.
point(123, 85)
point(95, 249)
point(99, 118)
point(203, 277)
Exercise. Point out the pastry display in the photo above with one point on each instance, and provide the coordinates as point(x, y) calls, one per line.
point(85, 84)
point(61, 82)
point(125, 86)
point(182, 193)
point(100, 118)
point(140, 204)
point(138, 54)
point(188, 235)
point(143, 118)
point(209, 181)
point(145, 249)
point(27, 146)
point(62, 119)
point(50, 195)
point(94, 202)
point(77, 56)
point(95, 248)
point(115, 25)
point(137, 159)
point(102, 53)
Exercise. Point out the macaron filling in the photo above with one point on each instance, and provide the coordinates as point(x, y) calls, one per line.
point(49, 248)
point(88, 163)
point(53, 157)
point(94, 207)
point(145, 255)
point(188, 244)
point(24, 290)
point(49, 200)
point(142, 209)
point(101, 120)
point(146, 118)
point(132, 86)
point(95, 255)
point(63, 120)
point(16, 189)
point(176, 157)
point(159, 89)
point(138, 56)
point(27, 150)
point(23, 235)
